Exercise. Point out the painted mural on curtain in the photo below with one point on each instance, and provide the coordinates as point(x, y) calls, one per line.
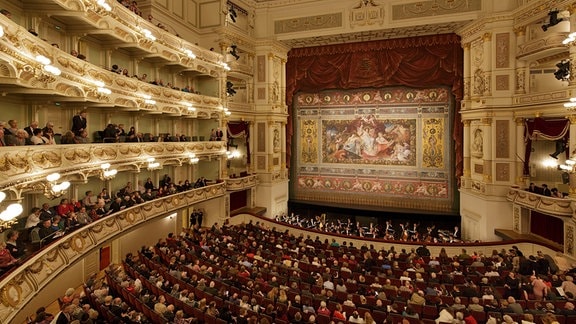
point(375, 147)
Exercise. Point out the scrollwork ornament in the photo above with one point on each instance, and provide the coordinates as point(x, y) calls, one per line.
point(11, 295)
point(77, 243)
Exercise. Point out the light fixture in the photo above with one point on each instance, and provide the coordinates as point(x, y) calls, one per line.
point(571, 105)
point(560, 148)
point(105, 5)
point(1, 31)
point(227, 112)
point(225, 66)
point(43, 60)
point(52, 69)
point(150, 102)
point(153, 165)
point(230, 89)
point(53, 189)
point(106, 173)
point(104, 90)
point(189, 53)
point(233, 52)
point(232, 154)
point(563, 71)
point(8, 215)
point(148, 34)
point(570, 39)
point(193, 158)
point(232, 13)
point(188, 106)
point(554, 20)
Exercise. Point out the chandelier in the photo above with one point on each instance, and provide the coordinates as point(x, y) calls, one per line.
point(106, 173)
point(53, 189)
point(153, 165)
point(193, 158)
point(8, 215)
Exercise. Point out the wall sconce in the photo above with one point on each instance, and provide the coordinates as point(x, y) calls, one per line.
point(153, 165)
point(193, 158)
point(550, 163)
point(189, 53)
point(52, 189)
point(232, 13)
point(105, 5)
point(230, 155)
point(105, 173)
point(148, 34)
point(8, 215)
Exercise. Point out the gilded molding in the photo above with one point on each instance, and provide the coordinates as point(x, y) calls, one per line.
point(543, 204)
point(20, 286)
point(16, 163)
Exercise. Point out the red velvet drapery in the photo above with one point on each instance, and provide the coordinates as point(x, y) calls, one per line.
point(240, 129)
point(414, 62)
point(550, 130)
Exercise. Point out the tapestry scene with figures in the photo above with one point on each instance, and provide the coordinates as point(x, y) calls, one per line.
point(375, 147)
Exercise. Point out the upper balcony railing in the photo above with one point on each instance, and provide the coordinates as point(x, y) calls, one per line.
point(547, 205)
point(23, 283)
point(241, 183)
point(23, 72)
point(23, 166)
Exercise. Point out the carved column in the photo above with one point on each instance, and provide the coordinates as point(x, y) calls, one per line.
point(467, 74)
point(223, 158)
point(572, 150)
point(466, 144)
point(572, 46)
point(521, 72)
point(487, 48)
point(283, 146)
point(487, 148)
point(520, 152)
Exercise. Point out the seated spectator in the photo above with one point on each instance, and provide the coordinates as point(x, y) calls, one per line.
point(18, 139)
point(82, 138)
point(7, 261)
point(68, 138)
point(16, 248)
point(48, 136)
point(36, 138)
point(355, 318)
point(34, 218)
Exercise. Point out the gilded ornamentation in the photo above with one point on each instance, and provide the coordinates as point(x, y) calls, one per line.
point(308, 23)
point(77, 155)
point(433, 143)
point(309, 141)
point(77, 242)
point(516, 221)
point(11, 295)
point(503, 142)
point(46, 159)
point(569, 240)
point(479, 82)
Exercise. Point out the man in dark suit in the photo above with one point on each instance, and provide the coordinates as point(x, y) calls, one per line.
point(30, 129)
point(79, 122)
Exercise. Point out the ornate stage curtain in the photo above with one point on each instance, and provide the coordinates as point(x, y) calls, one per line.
point(416, 62)
point(240, 129)
point(550, 130)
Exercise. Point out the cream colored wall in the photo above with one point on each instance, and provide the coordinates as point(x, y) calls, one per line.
point(273, 196)
point(480, 216)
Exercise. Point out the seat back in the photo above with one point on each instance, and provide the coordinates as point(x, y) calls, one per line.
point(35, 235)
